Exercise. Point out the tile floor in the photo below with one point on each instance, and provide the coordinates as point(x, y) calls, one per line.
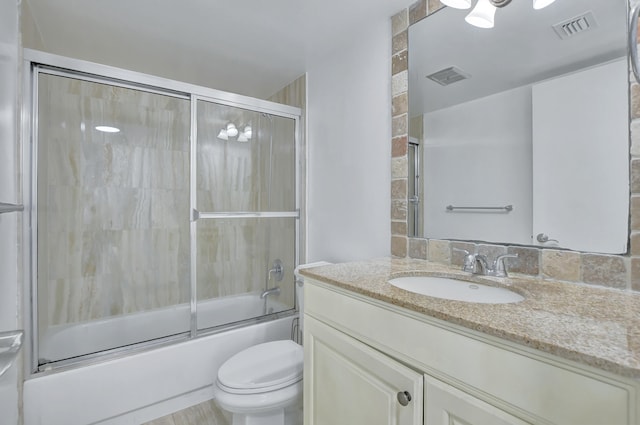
point(207, 413)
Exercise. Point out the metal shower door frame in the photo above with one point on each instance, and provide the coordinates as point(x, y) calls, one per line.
point(36, 62)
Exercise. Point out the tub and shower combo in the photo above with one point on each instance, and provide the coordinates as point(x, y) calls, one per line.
point(162, 233)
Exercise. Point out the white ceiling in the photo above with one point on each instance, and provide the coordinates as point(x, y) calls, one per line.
point(250, 47)
point(521, 49)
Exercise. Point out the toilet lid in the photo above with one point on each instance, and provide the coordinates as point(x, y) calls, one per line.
point(261, 368)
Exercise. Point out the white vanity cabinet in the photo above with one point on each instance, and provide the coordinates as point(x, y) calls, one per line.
point(361, 352)
point(351, 383)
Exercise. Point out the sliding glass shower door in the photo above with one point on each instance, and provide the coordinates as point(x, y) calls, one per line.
point(156, 215)
point(245, 203)
point(112, 215)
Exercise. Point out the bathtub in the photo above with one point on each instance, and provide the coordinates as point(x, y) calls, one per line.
point(70, 340)
point(140, 387)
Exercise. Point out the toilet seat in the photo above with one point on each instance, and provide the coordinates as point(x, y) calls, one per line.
point(262, 368)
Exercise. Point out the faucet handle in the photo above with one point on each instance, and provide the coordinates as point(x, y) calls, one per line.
point(499, 269)
point(469, 260)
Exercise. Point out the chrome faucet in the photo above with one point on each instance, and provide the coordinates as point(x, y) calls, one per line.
point(478, 264)
point(275, 290)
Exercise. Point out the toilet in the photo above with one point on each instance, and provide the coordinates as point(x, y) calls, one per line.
point(262, 385)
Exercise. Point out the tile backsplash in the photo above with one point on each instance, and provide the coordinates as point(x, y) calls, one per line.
point(616, 271)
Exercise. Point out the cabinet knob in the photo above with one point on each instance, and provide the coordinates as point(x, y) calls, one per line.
point(404, 397)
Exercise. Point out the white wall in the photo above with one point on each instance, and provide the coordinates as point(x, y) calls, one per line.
point(349, 148)
point(479, 154)
point(9, 383)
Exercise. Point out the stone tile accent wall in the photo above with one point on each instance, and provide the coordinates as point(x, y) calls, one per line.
point(615, 271)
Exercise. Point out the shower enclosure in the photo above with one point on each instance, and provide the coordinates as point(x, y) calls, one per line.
point(159, 210)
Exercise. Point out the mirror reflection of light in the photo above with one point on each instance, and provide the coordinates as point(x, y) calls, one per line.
point(232, 131)
point(107, 129)
point(457, 4)
point(482, 15)
point(223, 134)
point(539, 4)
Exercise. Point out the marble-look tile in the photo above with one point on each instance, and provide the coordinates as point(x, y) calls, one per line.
point(439, 251)
point(399, 83)
point(635, 176)
point(399, 146)
point(635, 138)
point(635, 273)
point(434, 6)
point(399, 228)
point(204, 413)
point(400, 105)
point(561, 265)
point(418, 248)
point(457, 252)
point(528, 261)
point(165, 420)
point(491, 251)
point(605, 270)
point(399, 62)
point(399, 167)
point(399, 189)
point(399, 246)
point(400, 42)
point(635, 100)
point(399, 209)
point(635, 212)
point(635, 243)
point(400, 125)
point(417, 11)
point(400, 22)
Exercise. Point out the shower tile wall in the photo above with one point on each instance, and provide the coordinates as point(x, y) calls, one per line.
point(113, 234)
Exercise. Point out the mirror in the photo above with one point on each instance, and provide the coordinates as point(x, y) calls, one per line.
point(525, 138)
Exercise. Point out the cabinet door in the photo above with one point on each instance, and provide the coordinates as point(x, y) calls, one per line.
point(348, 382)
point(446, 405)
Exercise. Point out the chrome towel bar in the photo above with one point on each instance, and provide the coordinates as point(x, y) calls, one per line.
point(506, 208)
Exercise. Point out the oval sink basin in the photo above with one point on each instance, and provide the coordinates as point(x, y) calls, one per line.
point(457, 290)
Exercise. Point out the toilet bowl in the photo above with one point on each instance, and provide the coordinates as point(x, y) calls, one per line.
point(262, 385)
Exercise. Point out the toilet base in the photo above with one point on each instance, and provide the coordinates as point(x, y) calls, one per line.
point(290, 416)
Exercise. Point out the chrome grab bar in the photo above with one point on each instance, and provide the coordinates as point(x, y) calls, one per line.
point(506, 208)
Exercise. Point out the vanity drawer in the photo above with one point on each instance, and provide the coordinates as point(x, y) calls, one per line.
point(534, 386)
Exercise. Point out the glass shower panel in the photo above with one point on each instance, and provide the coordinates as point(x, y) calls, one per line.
point(246, 199)
point(245, 160)
point(113, 247)
point(234, 257)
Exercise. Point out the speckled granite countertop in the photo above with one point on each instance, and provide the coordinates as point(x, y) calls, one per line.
point(596, 326)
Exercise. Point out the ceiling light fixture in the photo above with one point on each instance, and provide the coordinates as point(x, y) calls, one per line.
point(483, 14)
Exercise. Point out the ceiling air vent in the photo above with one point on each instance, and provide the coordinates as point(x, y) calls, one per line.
point(577, 25)
point(448, 76)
